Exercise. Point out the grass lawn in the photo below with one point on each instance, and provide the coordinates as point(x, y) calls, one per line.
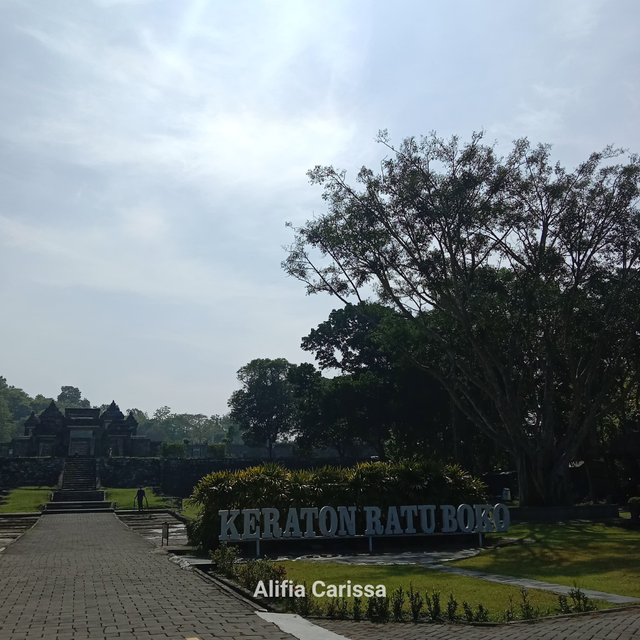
point(593, 555)
point(493, 596)
point(190, 510)
point(125, 499)
point(25, 499)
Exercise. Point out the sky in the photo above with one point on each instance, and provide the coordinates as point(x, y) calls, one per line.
point(152, 151)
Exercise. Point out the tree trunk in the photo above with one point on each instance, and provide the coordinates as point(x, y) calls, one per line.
point(540, 484)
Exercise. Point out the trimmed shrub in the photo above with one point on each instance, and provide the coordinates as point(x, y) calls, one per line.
point(217, 450)
point(173, 449)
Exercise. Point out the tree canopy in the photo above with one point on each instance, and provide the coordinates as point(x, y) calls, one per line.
point(518, 280)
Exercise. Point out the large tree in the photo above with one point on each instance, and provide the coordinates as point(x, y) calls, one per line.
point(264, 406)
point(519, 278)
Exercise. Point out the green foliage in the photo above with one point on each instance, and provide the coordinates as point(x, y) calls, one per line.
point(224, 558)
point(383, 484)
point(250, 573)
point(264, 407)
point(527, 611)
point(173, 449)
point(397, 603)
point(581, 602)
point(307, 605)
point(434, 609)
point(468, 611)
point(357, 609)
point(510, 611)
point(503, 267)
point(71, 397)
point(217, 450)
point(25, 499)
point(482, 614)
point(416, 602)
point(126, 498)
point(452, 608)
point(332, 608)
point(378, 609)
point(563, 604)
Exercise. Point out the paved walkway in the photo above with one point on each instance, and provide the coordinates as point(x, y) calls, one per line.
point(621, 625)
point(89, 576)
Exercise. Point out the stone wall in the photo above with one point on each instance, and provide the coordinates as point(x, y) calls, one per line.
point(30, 472)
point(178, 476)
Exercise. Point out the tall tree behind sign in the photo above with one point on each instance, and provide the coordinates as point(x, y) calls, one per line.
point(520, 278)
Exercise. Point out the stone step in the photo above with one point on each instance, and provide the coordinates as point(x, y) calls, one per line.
point(78, 496)
point(73, 510)
point(83, 505)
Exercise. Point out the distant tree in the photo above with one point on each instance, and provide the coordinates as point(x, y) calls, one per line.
point(141, 416)
point(71, 398)
point(264, 407)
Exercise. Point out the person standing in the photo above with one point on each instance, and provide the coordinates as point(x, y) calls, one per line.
point(140, 496)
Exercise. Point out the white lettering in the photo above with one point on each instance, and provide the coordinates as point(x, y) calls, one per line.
point(261, 590)
point(374, 526)
point(333, 521)
point(272, 528)
point(408, 513)
point(292, 526)
point(381, 591)
point(347, 517)
point(357, 591)
point(228, 529)
point(393, 522)
point(251, 526)
point(501, 517)
point(369, 591)
point(465, 518)
point(307, 514)
point(424, 521)
point(299, 591)
point(483, 520)
point(317, 594)
point(449, 523)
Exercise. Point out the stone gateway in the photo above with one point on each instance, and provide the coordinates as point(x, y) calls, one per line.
point(80, 432)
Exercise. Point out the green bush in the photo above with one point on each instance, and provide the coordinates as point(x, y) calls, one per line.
point(384, 484)
point(173, 449)
point(224, 559)
point(250, 573)
point(217, 450)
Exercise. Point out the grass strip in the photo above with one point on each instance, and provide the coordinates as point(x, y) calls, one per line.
point(25, 499)
point(127, 497)
point(596, 556)
point(493, 596)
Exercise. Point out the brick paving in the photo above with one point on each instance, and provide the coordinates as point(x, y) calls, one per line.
point(88, 576)
point(619, 625)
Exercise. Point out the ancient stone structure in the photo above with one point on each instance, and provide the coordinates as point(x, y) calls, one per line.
point(80, 432)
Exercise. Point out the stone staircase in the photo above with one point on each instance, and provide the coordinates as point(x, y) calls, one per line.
point(13, 525)
point(79, 474)
point(78, 493)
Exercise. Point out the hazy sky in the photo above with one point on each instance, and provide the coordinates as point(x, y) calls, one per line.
point(151, 152)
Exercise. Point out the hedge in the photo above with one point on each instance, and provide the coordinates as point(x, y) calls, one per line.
point(383, 484)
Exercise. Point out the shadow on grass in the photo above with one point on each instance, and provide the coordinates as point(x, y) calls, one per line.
point(609, 556)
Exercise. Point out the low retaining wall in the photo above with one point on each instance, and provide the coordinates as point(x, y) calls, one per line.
point(558, 514)
point(178, 476)
point(30, 472)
